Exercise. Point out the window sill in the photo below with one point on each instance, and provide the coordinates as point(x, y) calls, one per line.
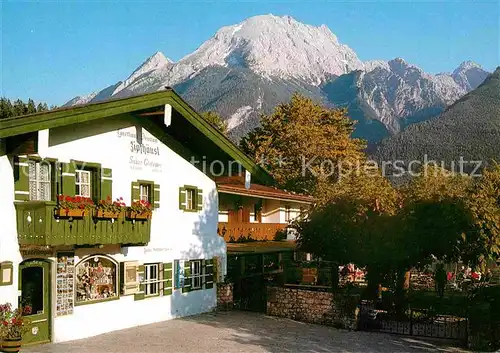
point(96, 301)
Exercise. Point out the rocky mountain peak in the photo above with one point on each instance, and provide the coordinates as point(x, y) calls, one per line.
point(467, 65)
point(277, 46)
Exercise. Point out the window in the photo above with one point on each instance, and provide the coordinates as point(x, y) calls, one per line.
point(196, 274)
point(178, 274)
point(288, 216)
point(151, 279)
point(145, 192)
point(96, 279)
point(39, 181)
point(190, 199)
point(82, 183)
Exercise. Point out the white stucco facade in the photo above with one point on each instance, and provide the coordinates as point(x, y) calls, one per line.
point(175, 234)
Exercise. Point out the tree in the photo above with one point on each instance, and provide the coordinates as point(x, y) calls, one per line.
point(485, 206)
point(42, 107)
point(30, 107)
point(19, 108)
point(6, 109)
point(303, 144)
point(216, 121)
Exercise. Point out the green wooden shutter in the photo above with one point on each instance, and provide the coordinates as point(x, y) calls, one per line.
point(156, 196)
point(209, 274)
point(68, 178)
point(167, 278)
point(21, 179)
point(187, 277)
point(141, 275)
point(182, 198)
point(106, 183)
point(134, 195)
point(199, 199)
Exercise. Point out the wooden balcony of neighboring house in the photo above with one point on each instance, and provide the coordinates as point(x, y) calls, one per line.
point(234, 231)
point(38, 223)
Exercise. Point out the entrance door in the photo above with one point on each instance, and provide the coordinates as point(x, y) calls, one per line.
point(34, 282)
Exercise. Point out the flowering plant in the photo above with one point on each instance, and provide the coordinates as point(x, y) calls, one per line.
point(141, 206)
point(12, 323)
point(75, 202)
point(111, 206)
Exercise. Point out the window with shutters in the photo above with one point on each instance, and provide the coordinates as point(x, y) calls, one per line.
point(196, 274)
point(40, 188)
point(83, 184)
point(151, 279)
point(146, 190)
point(190, 198)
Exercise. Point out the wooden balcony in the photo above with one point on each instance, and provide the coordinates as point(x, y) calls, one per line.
point(233, 232)
point(37, 224)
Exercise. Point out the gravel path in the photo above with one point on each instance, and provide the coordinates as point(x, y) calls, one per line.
point(228, 332)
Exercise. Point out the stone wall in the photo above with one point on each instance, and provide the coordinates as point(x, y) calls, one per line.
point(311, 306)
point(224, 296)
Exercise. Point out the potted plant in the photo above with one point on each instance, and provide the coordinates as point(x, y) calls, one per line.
point(73, 206)
point(140, 210)
point(109, 209)
point(12, 327)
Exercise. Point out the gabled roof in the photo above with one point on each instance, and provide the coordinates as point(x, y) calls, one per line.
point(236, 185)
point(198, 133)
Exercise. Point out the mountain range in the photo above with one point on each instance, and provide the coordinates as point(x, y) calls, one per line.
point(246, 69)
point(469, 130)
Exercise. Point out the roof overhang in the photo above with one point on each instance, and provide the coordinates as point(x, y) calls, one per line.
point(225, 189)
point(136, 107)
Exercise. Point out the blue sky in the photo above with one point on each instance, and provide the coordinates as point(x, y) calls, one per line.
point(55, 50)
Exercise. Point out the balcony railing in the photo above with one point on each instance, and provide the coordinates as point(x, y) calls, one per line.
point(37, 224)
point(255, 231)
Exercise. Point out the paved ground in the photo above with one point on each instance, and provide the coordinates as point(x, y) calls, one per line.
point(228, 332)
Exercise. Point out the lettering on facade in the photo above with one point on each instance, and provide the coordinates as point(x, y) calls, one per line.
point(34, 250)
point(144, 151)
point(148, 250)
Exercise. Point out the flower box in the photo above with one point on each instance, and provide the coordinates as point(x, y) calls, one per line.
point(10, 345)
point(70, 212)
point(139, 215)
point(108, 214)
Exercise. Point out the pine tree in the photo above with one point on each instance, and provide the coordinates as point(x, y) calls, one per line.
point(6, 109)
point(42, 107)
point(19, 108)
point(30, 107)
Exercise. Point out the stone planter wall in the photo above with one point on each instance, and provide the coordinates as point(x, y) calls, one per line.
point(312, 307)
point(224, 296)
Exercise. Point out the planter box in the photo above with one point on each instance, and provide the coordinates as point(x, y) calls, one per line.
point(107, 214)
point(139, 215)
point(78, 213)
point(10, 345)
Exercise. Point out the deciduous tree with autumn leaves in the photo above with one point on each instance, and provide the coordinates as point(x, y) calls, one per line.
point(359, 216)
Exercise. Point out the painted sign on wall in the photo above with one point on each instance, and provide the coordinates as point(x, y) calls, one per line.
point(143, 150)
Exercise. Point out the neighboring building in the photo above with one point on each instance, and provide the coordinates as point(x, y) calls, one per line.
point(83, 270)
point(256, 212)
point(255, 221)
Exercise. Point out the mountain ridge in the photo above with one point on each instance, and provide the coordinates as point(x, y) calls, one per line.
point(277, 55)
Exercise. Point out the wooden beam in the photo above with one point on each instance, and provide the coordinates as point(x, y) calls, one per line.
point(150, 114)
